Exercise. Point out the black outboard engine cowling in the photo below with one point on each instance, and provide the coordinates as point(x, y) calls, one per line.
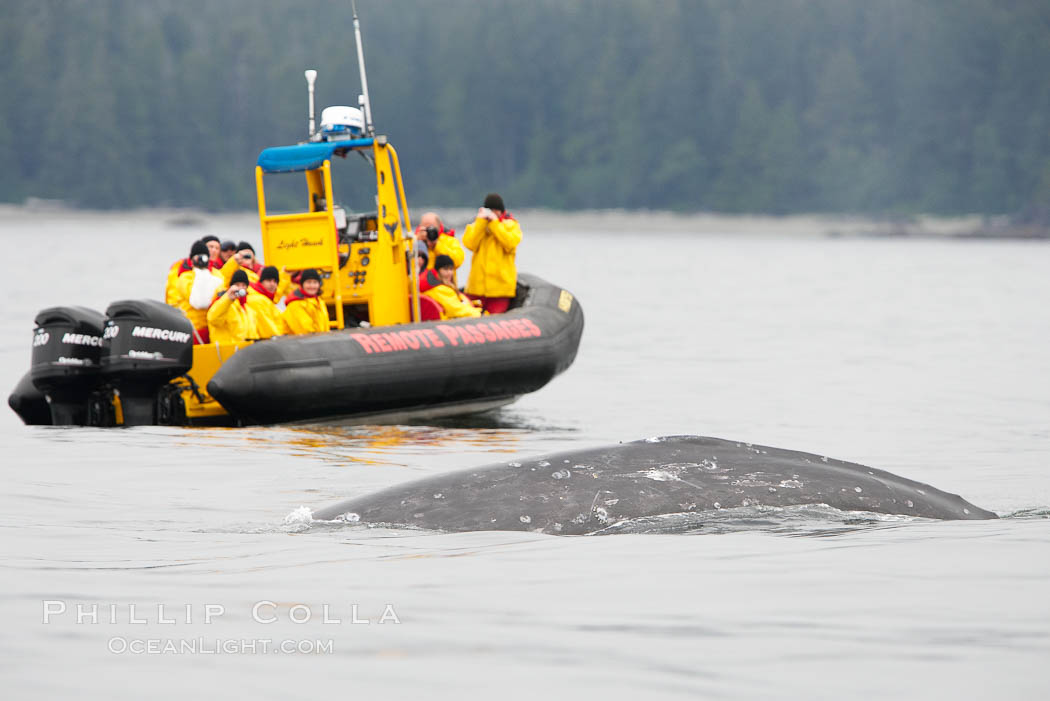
point(147, 344)
point(67, 351)
point(30, 403)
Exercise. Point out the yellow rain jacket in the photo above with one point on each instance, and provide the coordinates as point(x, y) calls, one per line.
point(304, 314)
point(197, 317)
point(231, 321)
point(171, 290)
point(493, 272)
point(267, 315)
point(447, 245)
point(454, 304)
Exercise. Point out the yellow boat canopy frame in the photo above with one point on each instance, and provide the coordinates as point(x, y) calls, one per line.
point(369, 264)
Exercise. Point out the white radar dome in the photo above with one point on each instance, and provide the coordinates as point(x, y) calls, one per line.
point(342, 122)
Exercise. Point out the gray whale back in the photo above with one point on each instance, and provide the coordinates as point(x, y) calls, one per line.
point(583, 491)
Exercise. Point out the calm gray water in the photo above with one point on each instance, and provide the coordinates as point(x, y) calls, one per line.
point(926, 358)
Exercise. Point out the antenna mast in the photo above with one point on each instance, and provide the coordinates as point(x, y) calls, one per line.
point(365, 102)
point(311, 76)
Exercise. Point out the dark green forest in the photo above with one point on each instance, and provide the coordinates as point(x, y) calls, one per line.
point(774, 106)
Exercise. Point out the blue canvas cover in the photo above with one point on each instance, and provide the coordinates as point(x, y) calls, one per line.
point(291, 159)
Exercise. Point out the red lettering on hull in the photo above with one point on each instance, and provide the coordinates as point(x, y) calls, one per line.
point(367, 343)
point(451, 333)
point(477, 333)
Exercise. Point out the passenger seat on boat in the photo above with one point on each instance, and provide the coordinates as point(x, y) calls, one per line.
point(429, 310)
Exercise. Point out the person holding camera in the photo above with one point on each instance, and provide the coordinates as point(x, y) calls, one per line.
point(244, 260)
point(305, 311)
point(439, 284)
point(196, 290)
point(439, 241)
point(493, 237)
point(230, 319)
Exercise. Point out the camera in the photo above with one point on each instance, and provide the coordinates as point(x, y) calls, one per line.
point(240, 293)
point(200, 260)
point(433, 233)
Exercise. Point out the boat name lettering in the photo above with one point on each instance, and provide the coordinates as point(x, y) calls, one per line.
point(81, 339)
point(162, 334)
point(489, 331)
point(399, 340)
point(284, 245)
point(455, 335)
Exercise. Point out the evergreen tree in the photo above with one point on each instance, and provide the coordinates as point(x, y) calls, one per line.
point(734, 105)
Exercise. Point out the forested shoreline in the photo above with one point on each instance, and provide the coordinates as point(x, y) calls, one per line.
point(890, 107)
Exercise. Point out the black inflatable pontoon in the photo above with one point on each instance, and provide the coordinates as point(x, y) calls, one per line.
point(431, 367)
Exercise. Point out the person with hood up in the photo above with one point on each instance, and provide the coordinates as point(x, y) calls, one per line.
point(230, 319)
point(305, 311)
point(439, 285)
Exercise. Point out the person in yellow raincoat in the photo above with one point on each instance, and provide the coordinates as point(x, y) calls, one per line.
point(439, 285)
point(196, 291)
point(439, 241)
point(183, 265)
point(493, 236)
point(305, 311)
point(230, 319)
point(263, 297)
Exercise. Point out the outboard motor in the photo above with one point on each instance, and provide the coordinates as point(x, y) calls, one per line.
point(67, 349)
point(29, 402)
point(147, 344)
